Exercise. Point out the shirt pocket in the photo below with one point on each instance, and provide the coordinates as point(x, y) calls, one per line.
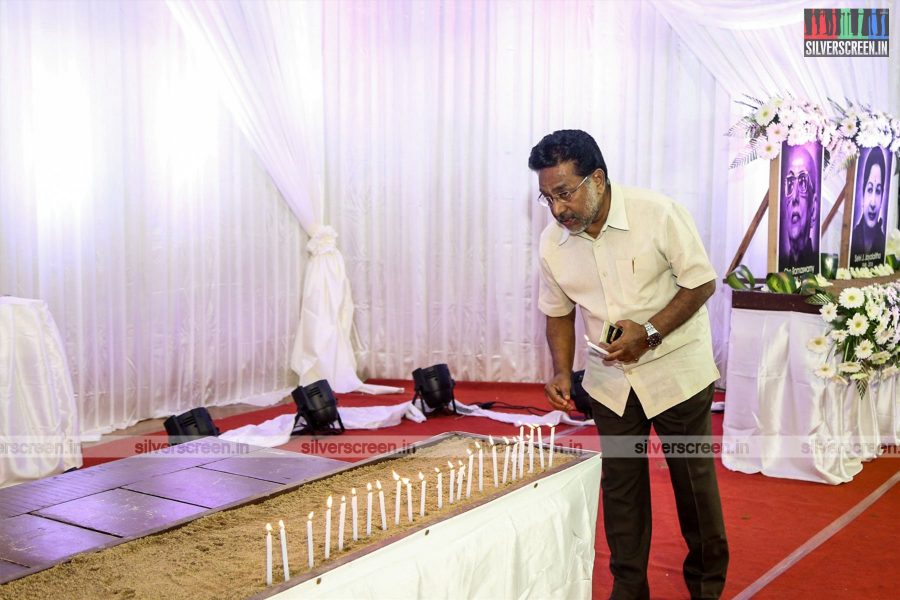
point(640, 277)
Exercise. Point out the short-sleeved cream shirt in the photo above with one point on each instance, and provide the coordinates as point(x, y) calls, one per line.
point(648, 248)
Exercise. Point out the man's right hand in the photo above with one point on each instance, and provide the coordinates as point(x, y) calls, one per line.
point(557, 391)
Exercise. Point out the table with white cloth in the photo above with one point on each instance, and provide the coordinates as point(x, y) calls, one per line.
point(784, 421)
point(534, 542)
point(39, 432)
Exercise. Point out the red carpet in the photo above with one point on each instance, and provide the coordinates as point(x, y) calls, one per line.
point(766, 518)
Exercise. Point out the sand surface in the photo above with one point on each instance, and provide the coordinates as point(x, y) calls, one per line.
point(222, 555)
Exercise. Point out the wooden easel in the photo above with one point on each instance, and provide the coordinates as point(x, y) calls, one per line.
point(770, 202)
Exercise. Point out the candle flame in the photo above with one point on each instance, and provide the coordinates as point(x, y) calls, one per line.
point(421, 477)
point(269, 527)
point(310, 516)
point(378, 484)
point(436, 470)
point(478, 445)
point(450, 464)
point(281, 523)
point(394, 475)
point(491, 439)
point(328, 502)
point(405, 481)
point(460, 464)
point(469, 452)
point(343, 499)
point(353, 491)
point(506, 440)
point(369, 486)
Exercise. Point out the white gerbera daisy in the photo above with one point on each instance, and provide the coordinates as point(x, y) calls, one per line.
point(864, 349)
point(818, 344)
point(879, 358)
point(849, 367)
point(825, 371)
point(839, 335)
point(765, 114)
point(828, 312)
point(777, 133)
point(852, 298)
point(848, 127)
point(858, 325)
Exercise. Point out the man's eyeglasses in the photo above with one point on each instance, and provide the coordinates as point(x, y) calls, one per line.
point(802, 182)
point(547, 200)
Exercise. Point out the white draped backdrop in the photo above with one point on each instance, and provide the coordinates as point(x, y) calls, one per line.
point(164, 164)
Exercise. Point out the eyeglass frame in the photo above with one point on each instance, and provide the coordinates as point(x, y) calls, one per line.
point(548, 201)
point(791, 180)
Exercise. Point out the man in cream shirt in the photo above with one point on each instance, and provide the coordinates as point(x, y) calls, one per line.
point(633, 257)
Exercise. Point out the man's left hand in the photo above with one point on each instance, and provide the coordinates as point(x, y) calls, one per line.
point(631, 345)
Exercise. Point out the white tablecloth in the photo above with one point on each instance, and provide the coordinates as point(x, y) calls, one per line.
point(784, 421)
point(39, 433)
point(535, 542)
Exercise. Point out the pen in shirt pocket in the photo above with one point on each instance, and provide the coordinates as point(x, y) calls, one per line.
point(632, 266)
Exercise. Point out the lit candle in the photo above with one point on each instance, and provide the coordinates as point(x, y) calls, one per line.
point(531, 448)
point(396, 498)
point(459, 480)
point(381, 504)
point(540, 446)
point(515, 460)
point(422, 499)
point(284, 558)
point(440, 487)
point(480, 466)
point(354, 514)
point(408, 499)
point(342, 518)
point(452, 484)
point(470, 472)
point(505, 458)
point(369, 510)
point(309, 539)
point(494, 457)
point(552, 434)
point(328, 528)
point(268, 554)
point(521, 452)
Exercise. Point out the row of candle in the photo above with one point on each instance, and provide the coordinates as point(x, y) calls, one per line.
point(514, 455)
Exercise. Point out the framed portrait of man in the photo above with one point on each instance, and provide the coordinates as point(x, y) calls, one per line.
point(871, 199)
point(799, 201)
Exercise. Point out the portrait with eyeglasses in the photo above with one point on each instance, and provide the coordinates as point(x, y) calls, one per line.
point(873, 179)
point(799, 232)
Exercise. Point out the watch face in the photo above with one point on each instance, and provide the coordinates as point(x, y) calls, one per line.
point(654, 340)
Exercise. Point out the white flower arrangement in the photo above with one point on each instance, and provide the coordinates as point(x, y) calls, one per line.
point(882, 270)
point(857, 127)
point(864, 335)
point(771, 123)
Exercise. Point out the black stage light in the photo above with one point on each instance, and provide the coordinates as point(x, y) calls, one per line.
point(434, 388)
point(583, 400)
point(317, 411)
point(187, 426)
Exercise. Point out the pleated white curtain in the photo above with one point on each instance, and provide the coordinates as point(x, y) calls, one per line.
point(431, 110)
point(133, 206)
point(269, 58)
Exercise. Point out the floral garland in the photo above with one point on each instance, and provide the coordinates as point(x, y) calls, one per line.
point(864, 335)
point(771, 123)
point(858, 127)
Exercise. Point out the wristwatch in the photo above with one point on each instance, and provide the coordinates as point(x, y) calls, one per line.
point(654, 338)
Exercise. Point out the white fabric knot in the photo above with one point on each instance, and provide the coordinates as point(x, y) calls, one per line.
point(323, 241)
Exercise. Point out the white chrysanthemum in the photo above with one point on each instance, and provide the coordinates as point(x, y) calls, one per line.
point(851, 297)
point(765, 114)
point(818, 344)
point(882, 337)
point(825, 371)
point(797, 136)
point(768, 149)
point(858, 325)
point(828, 312)
point(849, 367)
point(777, 133)
point(848, 127)
point(839, 335)
point(864, 349)
point(843, 273)
point(874, 309)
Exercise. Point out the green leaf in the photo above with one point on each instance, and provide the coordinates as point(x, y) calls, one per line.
point(893, 261)
point(820, 299)
point(781, 283)
point(829, 264)
point(741, 279)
